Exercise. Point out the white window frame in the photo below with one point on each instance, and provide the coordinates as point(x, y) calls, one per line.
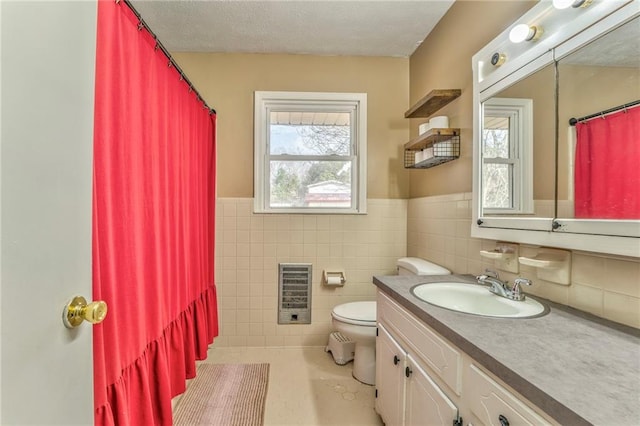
point(266, 102)
point(520, 114)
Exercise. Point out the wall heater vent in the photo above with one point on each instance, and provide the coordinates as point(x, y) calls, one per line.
point(294, 293)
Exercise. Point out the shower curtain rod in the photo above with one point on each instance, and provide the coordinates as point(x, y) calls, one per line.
point(574, 121)
point(159, 45)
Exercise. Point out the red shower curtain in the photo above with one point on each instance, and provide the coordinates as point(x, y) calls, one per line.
point(607, 173)
point(153, 225)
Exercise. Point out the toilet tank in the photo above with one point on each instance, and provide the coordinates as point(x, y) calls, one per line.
point(417, 266)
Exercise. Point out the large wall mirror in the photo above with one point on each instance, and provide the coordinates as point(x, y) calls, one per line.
point(569, 177)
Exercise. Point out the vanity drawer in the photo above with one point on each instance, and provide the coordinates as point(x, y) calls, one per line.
point(488, 400)
point(435, 352)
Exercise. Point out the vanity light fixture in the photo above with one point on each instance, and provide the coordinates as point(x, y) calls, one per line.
point(524, 32)
point(563, 4)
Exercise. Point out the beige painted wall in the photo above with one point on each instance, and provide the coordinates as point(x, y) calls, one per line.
point(227, 83)
point(443, 61)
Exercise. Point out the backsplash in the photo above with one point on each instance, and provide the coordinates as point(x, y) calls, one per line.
point(249, 247)
point(439, 229)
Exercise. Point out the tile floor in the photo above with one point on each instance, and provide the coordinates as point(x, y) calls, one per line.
point(306, 388)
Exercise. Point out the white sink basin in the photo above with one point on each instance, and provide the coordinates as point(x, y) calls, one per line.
point(476, 299)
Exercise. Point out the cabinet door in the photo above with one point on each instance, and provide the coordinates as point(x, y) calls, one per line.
point(390, 365)
point(426, 404)
point(444, 360)
point(495, 405)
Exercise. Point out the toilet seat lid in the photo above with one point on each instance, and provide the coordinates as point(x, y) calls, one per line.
point(358, 313)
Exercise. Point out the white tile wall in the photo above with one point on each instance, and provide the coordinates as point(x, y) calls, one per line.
point(250, 246)
point(439, 229)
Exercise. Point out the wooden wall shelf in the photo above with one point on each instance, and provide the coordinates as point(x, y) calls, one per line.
point(432, 102)
point(427, 139)
point(441, 145)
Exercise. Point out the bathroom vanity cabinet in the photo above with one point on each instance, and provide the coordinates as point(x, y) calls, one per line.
point(405, 392)
point(564, 367)
point(421, 378)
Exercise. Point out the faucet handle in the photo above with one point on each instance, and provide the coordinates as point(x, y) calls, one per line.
point(492, 273)
point(516, 290)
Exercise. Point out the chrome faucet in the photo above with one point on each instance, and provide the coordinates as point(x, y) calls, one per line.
point(516, 291)
point(492, 278)
point(500, 287)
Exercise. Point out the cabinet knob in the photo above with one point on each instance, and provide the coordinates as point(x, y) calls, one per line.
point(396, 360)
point(407, 372)
point(503, 420)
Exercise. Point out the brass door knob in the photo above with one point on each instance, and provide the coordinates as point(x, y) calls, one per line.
point(78, 310)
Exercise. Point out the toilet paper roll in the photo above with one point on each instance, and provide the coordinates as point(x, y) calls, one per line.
point(427, 153)
point(336, 280)
point(423, 128)
point(440, 122)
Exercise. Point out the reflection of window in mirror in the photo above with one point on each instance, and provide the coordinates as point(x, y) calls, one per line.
point(600, 79)
point(537, 187)
point(506, 151)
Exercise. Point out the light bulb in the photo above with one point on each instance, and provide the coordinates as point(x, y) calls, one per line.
point(562, 4)
point(522, 32)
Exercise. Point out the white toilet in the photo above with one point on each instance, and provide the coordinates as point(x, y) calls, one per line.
point(417, 266)
point(357, 320)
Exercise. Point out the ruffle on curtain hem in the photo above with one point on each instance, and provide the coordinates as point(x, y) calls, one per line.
point(138, 391)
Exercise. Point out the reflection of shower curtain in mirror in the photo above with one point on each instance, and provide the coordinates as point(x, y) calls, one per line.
point(607, 169)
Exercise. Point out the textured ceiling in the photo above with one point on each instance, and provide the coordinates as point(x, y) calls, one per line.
point(318, 27)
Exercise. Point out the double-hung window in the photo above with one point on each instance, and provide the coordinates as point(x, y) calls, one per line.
point(310, 152)
point(507, 156)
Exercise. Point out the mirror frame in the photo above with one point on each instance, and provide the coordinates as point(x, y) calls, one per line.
point(565, 31)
